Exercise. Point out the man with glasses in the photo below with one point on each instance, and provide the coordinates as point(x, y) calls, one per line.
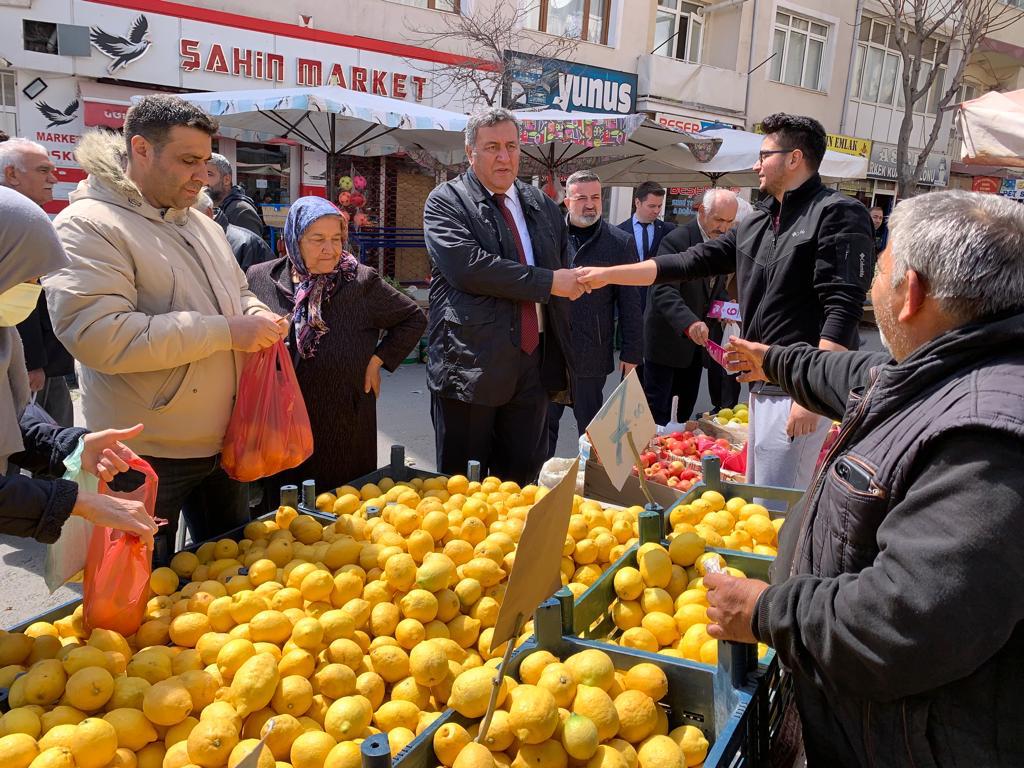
point(803, 262)
point(499, 322)
point(594, 242)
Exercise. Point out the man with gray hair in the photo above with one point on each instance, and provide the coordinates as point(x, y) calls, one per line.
point(896, 597)
point(676, 326)
point(28, 169)
point(592, 241)
point(234, 206)
point(500, 347)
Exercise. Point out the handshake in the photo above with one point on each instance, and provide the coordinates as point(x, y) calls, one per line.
point(573, 283)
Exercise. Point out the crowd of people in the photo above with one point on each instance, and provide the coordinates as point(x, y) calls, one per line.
point(895, 600)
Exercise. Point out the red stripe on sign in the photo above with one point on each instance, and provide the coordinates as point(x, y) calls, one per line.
point(238, 21)
point(70, 175)
point(98, 113)
point(308, 190)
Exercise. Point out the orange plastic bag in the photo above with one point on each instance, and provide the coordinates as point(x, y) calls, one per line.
point(118, 566)
point(269, 430)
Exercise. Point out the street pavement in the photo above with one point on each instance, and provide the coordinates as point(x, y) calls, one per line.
point(403, 418)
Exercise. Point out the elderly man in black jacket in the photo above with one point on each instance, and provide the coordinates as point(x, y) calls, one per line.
point(500, 348)
point(803, 261)
point(594, 242)
point(675, 322)
point(896, 596)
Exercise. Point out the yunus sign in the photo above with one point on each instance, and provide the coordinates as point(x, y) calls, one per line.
point(540, 81)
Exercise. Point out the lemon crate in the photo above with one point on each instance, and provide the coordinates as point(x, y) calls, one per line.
point(718, 701)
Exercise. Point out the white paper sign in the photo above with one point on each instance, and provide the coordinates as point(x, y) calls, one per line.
point(624, 413)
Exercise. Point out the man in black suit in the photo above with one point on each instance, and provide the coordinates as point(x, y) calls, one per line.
point(675, 328)
point(500, 347)
point(645, 225)
point(594, 242)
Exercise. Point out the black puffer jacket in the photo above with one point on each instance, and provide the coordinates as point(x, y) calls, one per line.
point(803, 281)
point(897, 600)
point(477, 285)
point(593, 314)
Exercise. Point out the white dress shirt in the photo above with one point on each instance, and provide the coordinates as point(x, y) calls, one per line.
point(513, 204)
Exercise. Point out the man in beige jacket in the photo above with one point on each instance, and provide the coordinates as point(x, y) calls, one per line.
point(156, 309)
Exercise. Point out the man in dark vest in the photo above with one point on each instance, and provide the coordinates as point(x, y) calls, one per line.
point(896, 598)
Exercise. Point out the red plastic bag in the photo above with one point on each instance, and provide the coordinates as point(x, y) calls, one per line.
point(269, 430)
point(118, 566)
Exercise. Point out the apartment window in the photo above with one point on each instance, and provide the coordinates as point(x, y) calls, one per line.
point(584, 19)
point(878, 68)
point(8, 103)
point(678, 30)
point(452, 6)
point(798, 45)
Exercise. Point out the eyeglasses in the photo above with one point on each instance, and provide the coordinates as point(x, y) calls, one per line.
point(765, 153)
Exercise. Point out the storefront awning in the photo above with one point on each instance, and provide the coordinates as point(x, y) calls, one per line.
point(105, 105)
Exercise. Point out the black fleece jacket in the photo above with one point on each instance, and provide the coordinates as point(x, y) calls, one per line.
point(801, 279)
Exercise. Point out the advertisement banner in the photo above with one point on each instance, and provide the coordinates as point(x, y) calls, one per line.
point(882, 165)
point(537, 81)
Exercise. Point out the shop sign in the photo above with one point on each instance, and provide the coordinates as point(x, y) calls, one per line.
point(1013, 189)
point(538, 81)
point(882, 165)
point(989, 185)
point(689, 124)
point(838, 142)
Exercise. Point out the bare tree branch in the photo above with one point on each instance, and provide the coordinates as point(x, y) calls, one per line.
point(948, 28)
point(485, 37)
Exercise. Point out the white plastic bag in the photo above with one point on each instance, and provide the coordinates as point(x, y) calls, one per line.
point(65, 558)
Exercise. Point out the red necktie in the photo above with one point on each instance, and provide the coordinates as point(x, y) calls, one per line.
point(529, 334)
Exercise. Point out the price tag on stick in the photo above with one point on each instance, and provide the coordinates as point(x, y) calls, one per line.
point(622, 426)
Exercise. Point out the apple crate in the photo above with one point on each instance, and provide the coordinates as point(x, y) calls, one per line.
point(721, 701)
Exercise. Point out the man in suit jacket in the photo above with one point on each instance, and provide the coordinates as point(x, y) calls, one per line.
point(499, 321)
point(645, 225)
point(674, 322)
point(594, 242)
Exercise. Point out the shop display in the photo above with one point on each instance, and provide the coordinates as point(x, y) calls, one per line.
point(733, 523)
point(674, 459)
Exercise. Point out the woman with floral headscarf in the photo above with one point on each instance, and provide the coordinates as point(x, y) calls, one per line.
point(347, 323)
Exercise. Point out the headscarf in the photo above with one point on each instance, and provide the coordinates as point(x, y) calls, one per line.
point(29, 248)
point(312, 290)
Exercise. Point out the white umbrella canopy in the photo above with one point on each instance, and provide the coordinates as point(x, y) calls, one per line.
point(993, 129)
point(730, 166)
point(555, 142)
point(336, 121)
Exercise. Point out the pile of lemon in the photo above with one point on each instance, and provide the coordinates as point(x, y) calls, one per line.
point(316, 635)
point(731, 416)
point(580, 712)
point(661, 605)
point(732, 524)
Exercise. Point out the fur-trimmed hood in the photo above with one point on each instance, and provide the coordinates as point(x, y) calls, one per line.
point(103, 156)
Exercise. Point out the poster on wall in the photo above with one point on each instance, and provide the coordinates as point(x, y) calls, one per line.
point(539, 81)
point(314, 172)
point(53, 118)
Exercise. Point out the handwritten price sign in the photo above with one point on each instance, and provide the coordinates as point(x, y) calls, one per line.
point(725, 310)
point(624, 414)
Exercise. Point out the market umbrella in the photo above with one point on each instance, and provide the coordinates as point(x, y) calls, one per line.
point(993, 129)
point(731, 164)
point(337, 121)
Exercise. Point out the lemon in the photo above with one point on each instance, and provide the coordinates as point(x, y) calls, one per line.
point(685, 548)
point(245, 748)
point(591, 667)
point(533, 714)
point(628, 582)
point(210, 743)
point(689, 614)
point(595, 704)
point(580, 737)
point(253, 686)
point(17, 750)
point(164, 581)
point(471, 691)
point(428, 664)
point(22, 720)
point(558, 680)
point(638, 715)
point(44, 682)
point(655, 600)
point(748, 510)
point(311, 749)
point(693, 639)
point(648, 679)
point(348, 717)
point(396, 713)
point(449, 740)
point(133, 729)
point(167, 702)
point(606, 757)
point(94, 743)
point(54, 757)
point(659, 752)
point(662, 626)
point(89, 689)
point(474, 755)
point(640, 638)
point(701, 563)
point(655, 566)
